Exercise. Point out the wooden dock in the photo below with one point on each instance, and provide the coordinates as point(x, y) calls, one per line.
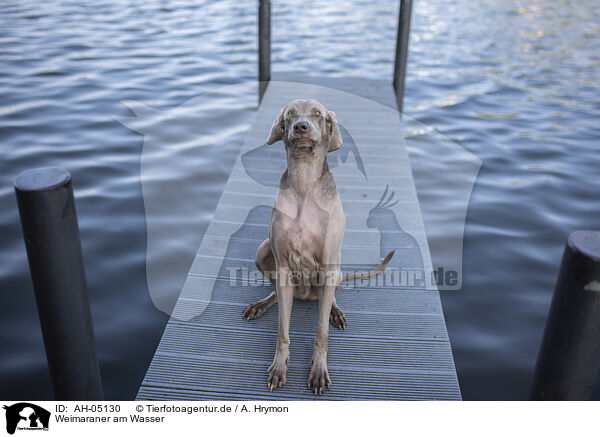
point(396, 345)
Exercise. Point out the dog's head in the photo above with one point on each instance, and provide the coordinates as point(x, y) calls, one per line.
point(306, 124)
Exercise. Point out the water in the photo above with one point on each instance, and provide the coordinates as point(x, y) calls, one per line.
point(515, 83)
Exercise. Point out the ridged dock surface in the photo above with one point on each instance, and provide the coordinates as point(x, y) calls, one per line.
point(396, 345)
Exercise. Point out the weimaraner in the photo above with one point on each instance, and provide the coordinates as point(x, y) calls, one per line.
point(301, 257)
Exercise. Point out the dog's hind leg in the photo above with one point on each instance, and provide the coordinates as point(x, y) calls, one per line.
point(337, 317)
point(265, 263)
point(257, 309)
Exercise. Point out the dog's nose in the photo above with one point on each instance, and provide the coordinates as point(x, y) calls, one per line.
point(301, 127)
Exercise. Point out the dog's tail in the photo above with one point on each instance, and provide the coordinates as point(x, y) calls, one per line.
point(368, 274)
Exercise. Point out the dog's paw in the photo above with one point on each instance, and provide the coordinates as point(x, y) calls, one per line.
point(318, 380)
point(277, 373)
point(255, 310)
point(337, 318)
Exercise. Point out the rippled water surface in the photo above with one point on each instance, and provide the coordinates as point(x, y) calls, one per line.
point(515, 82)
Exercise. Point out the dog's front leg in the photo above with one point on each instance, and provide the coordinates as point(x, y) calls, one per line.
point(285, 298)
point(318, 379)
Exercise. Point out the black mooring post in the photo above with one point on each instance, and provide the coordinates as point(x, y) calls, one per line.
point(569, 356)
point(49, 221)
point(264, 46)
point(402, 50)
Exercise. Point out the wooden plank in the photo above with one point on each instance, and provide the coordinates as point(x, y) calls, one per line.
point(396, 344)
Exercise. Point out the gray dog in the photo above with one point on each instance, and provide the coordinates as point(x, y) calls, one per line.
point(301, 257)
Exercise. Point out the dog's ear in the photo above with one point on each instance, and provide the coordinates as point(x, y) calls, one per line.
point(277, 128)
point(335, 137)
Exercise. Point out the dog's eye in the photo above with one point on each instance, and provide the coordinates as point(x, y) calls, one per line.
point(291, 113)
point(317, 113)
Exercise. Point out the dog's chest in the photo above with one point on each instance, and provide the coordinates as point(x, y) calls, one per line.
point(300, 239)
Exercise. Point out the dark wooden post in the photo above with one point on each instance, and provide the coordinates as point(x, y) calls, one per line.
point(49, 221)
point(264, 46)
point(569, 356)
point(402, 50)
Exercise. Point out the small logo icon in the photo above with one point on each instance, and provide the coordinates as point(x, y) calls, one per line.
point(26, 416)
